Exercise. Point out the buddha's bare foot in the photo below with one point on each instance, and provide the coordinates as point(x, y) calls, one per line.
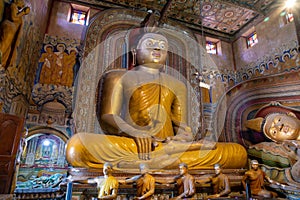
point(178, 147)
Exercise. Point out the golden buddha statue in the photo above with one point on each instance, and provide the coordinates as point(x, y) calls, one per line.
point(142, 113)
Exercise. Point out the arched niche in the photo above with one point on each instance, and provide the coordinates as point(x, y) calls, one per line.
point(103, 49)
point(42, 153)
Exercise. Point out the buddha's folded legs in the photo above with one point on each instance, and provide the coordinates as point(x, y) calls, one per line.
point(92, 150)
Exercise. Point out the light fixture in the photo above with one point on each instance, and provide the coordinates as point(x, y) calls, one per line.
point(46, 142)
point(290, 3)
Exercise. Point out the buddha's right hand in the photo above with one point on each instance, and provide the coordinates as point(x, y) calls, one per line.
point(144, 146)
point(145, 139)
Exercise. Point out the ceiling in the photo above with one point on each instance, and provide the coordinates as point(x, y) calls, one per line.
point(224, 19)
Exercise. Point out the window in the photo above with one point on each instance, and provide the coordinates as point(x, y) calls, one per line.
point(79, 14)
point(78, 17)
point(252, 40)
point(289, 17)
point(286, 17)
point(211, 47)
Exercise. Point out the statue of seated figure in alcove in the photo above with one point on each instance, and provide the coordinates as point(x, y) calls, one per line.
point(281, 126)
point(143, 114)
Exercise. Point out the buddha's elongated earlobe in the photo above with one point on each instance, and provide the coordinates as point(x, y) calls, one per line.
point(133, 56)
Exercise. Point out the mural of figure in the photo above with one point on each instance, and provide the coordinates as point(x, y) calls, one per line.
point(295, 56)
point(60, 64)
point(49, 61)
point(288, 62)
point(278, 64)
point(271, 67)
point(67, 70)
point(10, 31)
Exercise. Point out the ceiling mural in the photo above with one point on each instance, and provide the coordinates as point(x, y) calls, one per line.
point(222, 18)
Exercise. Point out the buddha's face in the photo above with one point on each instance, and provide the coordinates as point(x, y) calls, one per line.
point(280, 127)
point(152, 50)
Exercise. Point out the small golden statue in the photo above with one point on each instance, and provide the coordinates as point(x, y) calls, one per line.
point(107, 185)
point(10, 30)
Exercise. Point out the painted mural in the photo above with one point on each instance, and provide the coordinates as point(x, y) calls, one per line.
point(58, 63)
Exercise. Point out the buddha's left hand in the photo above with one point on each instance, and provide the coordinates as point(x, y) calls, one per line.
point(184, 134)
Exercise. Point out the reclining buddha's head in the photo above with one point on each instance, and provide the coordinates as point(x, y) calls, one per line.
point(277, 126)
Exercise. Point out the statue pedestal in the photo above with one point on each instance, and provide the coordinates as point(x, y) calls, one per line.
point(162, 190)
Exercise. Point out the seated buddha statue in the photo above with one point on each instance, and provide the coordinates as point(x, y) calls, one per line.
point(143, 114)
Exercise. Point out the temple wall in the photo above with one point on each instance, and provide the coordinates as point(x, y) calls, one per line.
point(224, 59)
point(271, 34)
point(59, 24)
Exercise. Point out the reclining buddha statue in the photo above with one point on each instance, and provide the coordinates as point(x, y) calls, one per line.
point(143, 113)
point(279, 153)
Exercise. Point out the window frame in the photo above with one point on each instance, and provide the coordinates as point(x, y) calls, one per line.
point(76, 9)
point(250, 41)
point(210, 44)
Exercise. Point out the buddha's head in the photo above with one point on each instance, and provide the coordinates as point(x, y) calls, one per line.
point(277, 126)
point(147, 47)
point(152, 50)
point(281, 126)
